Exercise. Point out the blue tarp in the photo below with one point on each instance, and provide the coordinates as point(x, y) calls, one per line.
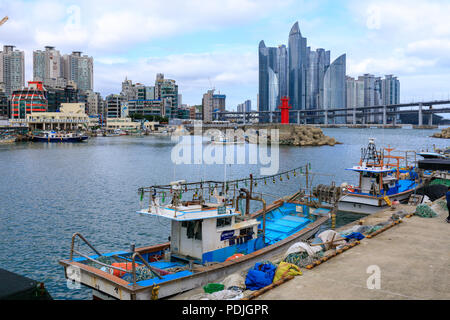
point(260, 276)
point(355, 235)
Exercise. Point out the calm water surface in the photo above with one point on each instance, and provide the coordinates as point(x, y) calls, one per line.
point(50, 191)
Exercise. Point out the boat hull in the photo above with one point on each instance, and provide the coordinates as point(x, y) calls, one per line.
point(63, 139)
point(356, 203)
point(118, 288)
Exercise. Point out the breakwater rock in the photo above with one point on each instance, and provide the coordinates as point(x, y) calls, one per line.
point(300, 135)
point(444, 134)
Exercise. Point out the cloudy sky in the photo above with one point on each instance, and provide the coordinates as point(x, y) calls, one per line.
point(204, 44)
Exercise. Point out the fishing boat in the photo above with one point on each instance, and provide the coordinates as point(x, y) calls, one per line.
point(115, 133)
point(380, 181)
point(209, 239)
point(223, 139)
point(432, 155)
point(7, 140)
point(52, 136)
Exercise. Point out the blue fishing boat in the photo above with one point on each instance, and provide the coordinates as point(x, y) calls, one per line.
point(380, 181)
point(208, 241)
point(52, 136)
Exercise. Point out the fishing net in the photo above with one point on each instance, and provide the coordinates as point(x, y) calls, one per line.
point(142, 273)
point(442, 204)
point(102, 259)
point(444, 182)
point(302, 259)
point(424, 211)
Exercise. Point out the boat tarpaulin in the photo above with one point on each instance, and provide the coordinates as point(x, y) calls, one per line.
point(434, 164)
point(16, 287)
point(260, 276)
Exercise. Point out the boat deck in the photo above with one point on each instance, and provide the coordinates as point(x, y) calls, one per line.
point(282, 222)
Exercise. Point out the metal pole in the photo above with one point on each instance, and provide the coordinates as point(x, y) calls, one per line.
point(420, 114)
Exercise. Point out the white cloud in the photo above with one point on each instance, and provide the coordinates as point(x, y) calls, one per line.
point(407, 38)
point(194, 73)
point(113, 26)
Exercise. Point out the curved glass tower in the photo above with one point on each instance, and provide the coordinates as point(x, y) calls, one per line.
point(334, 86)
point(298, 63)
point(272, 77)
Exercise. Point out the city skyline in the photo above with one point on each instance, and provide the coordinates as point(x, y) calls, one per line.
point(216, 46)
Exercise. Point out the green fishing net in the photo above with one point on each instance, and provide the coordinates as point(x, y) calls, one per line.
point(424, 211)
point(302, 259)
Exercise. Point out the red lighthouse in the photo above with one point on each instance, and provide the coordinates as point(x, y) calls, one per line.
point(284, 110)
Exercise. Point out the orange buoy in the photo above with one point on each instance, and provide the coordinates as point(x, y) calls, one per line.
point(234, 256)
point(123, 265)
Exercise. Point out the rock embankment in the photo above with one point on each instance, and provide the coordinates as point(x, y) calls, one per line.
point(444, 134)
point(303, 136)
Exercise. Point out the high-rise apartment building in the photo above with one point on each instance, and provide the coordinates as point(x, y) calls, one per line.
point(48, 67)
point(245, 107)
point(167, 91)
point(390, 90)
point(80, 70)
point(368, 90)
point(212, 103)
point(12, 69)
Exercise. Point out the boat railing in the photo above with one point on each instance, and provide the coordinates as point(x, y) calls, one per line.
point(133, 259)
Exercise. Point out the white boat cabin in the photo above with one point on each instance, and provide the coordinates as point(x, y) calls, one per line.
point(374, 179)
point(204, 232)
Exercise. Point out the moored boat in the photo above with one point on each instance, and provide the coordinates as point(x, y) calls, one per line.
point(204, 241)
point(52, 136)
point(380, 182)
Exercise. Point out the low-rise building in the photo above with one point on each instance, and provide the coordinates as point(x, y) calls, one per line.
point(72, 116)
point(122, 124)
point(28, 100)
point(146, 107)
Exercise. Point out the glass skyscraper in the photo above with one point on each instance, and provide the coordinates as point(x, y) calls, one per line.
point(298, 64)
point(273, 67)
point(334, 86)
point(298, 73)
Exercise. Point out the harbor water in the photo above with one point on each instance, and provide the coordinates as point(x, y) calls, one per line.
point(49, 191)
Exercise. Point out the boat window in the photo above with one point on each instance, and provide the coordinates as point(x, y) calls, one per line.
point(223, 222)
point(246, 232)
point(194, 229)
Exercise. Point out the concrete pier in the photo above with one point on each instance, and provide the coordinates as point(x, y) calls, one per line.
point(413, 258)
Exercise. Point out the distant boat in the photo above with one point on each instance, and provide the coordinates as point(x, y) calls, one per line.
point(7, 140)
point(223, 139)
point(52, 136)
point(432, 155)
point(115, 133)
